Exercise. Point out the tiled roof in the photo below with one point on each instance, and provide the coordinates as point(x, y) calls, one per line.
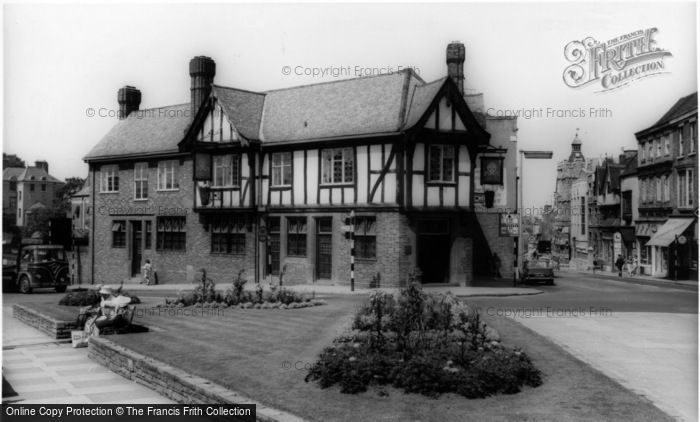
point(22, 174)
point(683, 106)
point(244, 108)
point(156, 130)
point(364, 106)
point(630, 165)
point(10, 172)
point(361, 106)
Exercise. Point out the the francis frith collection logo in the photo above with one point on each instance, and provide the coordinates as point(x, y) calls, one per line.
point(614, 63)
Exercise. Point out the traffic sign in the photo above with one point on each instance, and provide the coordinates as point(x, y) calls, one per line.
point(682, 239)
point(346, 228)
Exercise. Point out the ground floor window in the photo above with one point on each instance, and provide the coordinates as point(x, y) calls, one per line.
point(645, 254)
point(296, 236)
point(228, 235)
point(171, 233)
point(273, 224)
point(366, 237)
point(119, 234)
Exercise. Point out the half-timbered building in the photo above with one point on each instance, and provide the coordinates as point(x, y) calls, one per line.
point(264, 181)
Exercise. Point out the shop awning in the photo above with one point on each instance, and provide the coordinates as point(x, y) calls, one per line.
point(667, 233)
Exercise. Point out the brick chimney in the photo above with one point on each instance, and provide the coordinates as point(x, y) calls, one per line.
point(129, 99)
point(42, 164)
point(455, 64)
point(202, 71)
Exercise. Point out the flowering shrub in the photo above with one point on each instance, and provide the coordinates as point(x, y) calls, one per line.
point(423, 343)
point(205, 295)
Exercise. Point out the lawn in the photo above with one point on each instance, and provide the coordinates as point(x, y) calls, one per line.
point(256, 352)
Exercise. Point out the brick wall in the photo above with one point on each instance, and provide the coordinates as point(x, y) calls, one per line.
point(503, 246)
point(53, 327)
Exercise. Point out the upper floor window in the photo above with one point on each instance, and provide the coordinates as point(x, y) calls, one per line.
point(650, 151)
point(642, 154)
point(685, 188)
point(13, 185)
point(667, 145)
point(681, 149)
point(43, 187)
point(281, 169)
point(226, 170)
point(31, 187)
point(337, 165)
point(168, 175)
point(441, 162)
point(693, 137)
point(141, 181)
point(109, 178)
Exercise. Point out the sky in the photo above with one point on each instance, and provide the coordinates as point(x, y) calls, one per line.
point(60, 61)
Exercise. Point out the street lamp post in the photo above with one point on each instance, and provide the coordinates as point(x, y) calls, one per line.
point(542, 155)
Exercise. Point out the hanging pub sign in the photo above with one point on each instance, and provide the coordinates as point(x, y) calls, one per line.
point(508, 225)
point(202, 166)
point(491, 170)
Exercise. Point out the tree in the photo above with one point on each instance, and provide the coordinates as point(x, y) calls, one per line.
point(73, 185)
point(11, 160)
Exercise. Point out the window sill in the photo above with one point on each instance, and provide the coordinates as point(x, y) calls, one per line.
point(338, 185)
point(280, 187)
point(440, 183)
point(112, 192)
point(218, 188)
point(366, 260)
point(225, 254)
point(167, 190)
point(171, 251)
point(141, 199)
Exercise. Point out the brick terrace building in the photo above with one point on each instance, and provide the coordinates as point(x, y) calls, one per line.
point(667, 171)
point(263, 181)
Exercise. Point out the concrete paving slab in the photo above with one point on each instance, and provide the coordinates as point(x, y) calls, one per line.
point(652, 354)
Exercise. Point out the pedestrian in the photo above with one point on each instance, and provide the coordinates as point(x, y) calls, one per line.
point(595, 263)
point(496, 262)
point(619, 263)
point(147, 273)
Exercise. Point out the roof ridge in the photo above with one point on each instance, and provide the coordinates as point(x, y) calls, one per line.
point(238, 89)
point(381, 75)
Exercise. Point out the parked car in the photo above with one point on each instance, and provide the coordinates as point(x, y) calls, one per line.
point(541, 269)
point(36, 266)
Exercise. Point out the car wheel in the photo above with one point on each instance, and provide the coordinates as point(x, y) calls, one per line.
point(24, 285)
point(60, 289)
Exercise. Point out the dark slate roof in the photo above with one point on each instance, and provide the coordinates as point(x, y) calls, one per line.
point(35, 174)
point(373, 105)
point(683, 106)
point(11, 172)
point(155, 130)
point(615, 170)
point(243, 108)
point(630, 165)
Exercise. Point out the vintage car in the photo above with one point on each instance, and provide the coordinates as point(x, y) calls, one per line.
point(36, 266)
point(541, 269)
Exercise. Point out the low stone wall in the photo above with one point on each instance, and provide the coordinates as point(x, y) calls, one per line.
point(54, 328)
point(172, 382)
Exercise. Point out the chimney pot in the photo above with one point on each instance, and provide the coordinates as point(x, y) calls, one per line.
point(129, 99)
point(202, 72)
point(42, 164)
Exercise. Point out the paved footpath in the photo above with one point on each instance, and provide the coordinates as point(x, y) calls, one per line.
point(44, 371)
point(652, 354)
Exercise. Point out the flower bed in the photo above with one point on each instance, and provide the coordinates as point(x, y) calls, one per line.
point(205, 295)
point(423, 343)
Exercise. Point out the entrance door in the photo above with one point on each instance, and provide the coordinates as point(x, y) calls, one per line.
point(136, 252)
point(434, 250)
point(324, 247)
point(273, 224)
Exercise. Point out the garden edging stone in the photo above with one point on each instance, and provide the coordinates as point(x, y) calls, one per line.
point(172, 382)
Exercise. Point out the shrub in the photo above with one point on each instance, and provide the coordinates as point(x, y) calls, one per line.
point(423, 343)
point(82, 298)
point(205, 290)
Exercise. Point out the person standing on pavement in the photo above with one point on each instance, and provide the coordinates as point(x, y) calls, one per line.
point(147, 273)
point(619, 263)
